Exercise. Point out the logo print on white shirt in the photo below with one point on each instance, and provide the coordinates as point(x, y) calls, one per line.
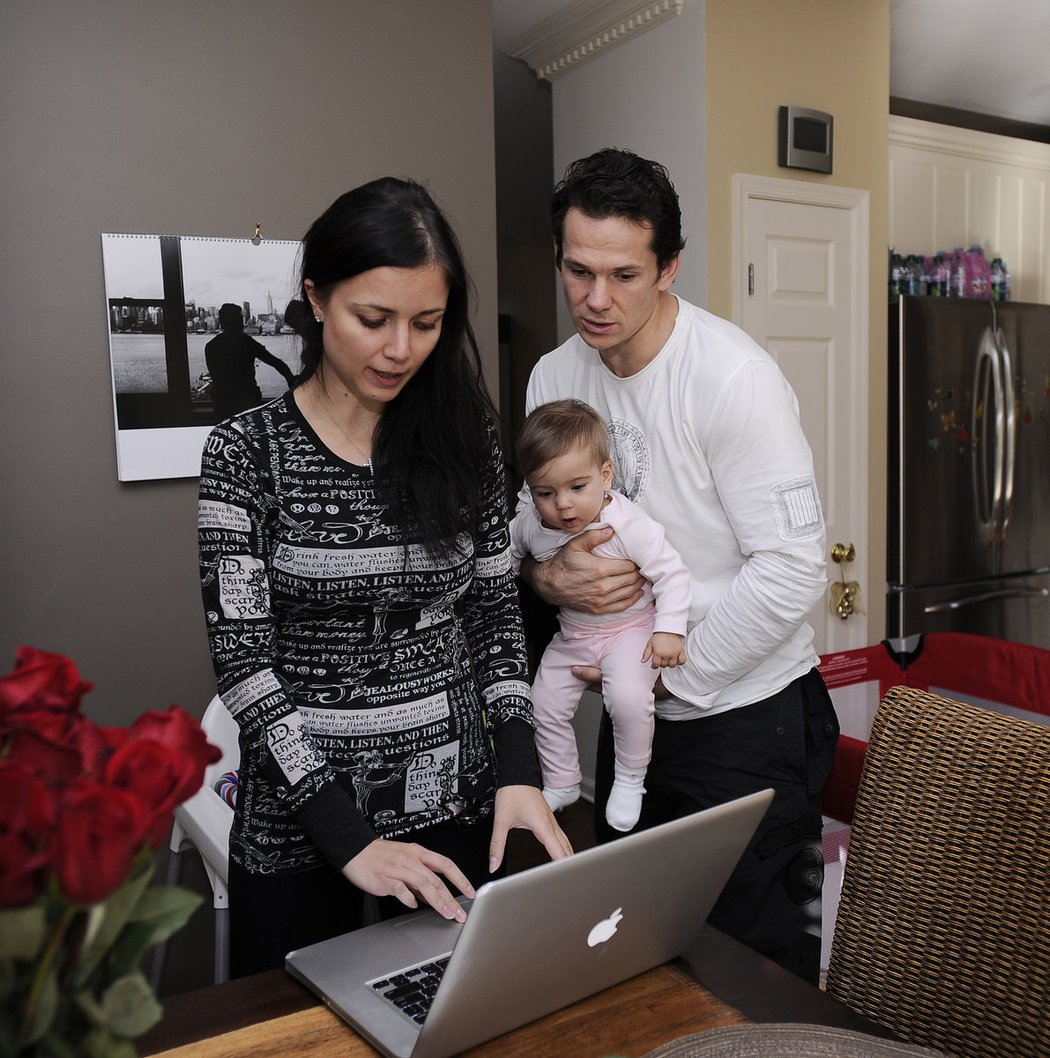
point(630, 456)
point(796, 507)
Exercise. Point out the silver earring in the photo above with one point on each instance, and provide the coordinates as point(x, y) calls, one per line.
point(317, 319)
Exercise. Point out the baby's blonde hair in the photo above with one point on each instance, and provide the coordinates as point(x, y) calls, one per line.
point(558, 427)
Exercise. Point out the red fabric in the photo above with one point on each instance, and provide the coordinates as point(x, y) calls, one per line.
point(868, 664)
point(840, 787)
point(860, 666)
point(1012, 674)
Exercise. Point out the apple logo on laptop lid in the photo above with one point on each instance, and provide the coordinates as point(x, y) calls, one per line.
point(603, 930)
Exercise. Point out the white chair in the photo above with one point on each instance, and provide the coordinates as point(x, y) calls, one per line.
point(203, 822)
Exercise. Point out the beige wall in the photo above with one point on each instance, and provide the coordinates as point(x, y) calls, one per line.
point(827, 55)
point(196, 118)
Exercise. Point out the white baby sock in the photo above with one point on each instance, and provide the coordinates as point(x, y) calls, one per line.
point(561, 796)
point(625, 798)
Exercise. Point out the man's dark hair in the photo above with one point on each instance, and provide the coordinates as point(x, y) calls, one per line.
point(617, 183)
point(231, 318)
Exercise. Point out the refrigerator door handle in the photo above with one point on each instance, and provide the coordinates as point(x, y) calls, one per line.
point(1010, 434)
point(988, 383)
point(988, 596)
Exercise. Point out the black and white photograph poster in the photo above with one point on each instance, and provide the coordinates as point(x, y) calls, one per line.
point(199, 329)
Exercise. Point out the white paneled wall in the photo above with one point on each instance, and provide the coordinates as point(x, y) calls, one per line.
point(954, 187)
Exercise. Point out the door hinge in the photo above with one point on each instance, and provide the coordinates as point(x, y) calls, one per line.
point(751, 280)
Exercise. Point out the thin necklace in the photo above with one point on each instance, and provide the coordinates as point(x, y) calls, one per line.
point(339, 426)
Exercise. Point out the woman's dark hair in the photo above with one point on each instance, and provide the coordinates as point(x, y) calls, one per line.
point(434, 439)
point(617, 183)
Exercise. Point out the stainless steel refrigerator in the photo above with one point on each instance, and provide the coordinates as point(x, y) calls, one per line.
point(968, 546)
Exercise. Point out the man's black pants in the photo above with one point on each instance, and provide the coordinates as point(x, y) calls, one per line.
point(786, 742)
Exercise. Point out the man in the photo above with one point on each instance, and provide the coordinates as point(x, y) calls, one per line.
point(230, 357)
point(707, 440)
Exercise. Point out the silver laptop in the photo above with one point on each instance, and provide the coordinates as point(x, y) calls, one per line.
point(419, 986)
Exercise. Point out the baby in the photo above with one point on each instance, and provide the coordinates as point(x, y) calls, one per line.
point(564, 454)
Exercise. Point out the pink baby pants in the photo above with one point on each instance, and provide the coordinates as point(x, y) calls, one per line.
point(627, 690)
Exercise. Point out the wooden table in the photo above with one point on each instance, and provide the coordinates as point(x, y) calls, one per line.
point(718, 982)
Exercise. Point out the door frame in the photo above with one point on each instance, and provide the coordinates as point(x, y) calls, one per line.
point(747, 188)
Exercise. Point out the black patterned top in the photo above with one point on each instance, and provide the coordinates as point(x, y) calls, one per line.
point(378, 688)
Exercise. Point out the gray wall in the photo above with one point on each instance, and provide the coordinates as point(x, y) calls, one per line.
point(646, 95)
point(193, 118)
point(524, 181)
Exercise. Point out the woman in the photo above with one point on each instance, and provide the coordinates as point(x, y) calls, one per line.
point(361, 609)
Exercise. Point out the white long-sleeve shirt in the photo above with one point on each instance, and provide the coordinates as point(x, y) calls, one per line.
point(706, 438)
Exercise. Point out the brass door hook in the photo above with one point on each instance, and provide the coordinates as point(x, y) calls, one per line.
point(845, 594)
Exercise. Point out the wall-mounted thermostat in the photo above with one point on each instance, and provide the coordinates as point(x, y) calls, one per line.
point(805, 139)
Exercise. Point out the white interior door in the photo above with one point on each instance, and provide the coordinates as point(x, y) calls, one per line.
point(801, 291)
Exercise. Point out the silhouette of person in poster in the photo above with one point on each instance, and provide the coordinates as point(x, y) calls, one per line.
point(231, 357)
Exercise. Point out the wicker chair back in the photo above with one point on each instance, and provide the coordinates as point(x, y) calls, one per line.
point(943, 929)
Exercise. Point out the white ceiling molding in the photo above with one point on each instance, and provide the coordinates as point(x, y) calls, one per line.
point(585, 30)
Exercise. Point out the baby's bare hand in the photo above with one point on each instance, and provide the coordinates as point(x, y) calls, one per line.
point(665, 650)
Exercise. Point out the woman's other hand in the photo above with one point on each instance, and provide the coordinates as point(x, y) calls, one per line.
point(410, 872)
point(523, 807)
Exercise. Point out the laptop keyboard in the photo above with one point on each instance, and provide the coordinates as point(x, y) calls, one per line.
point(412, 989)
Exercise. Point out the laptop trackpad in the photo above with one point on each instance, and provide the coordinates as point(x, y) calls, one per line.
point(428, 929)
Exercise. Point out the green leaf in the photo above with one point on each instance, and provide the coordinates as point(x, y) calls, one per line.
point(117, 909)
point(7, 1034)
point(90, 1006)
point(127, 951)
point(22, 932)
point(8, 983)
point(43, 1013)
point(100, 1043)
point(56, 1045)
point(159, 913)
point(96, 916)
point(128, 1006)
point(166, 909)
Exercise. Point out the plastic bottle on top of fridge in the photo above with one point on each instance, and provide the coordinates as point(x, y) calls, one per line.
point(969, 273)
point(896, 275)
point(904, 275)
point(980, 285)
point(914, 281)
point(957, 274)
point(937, 275)
point(1000, 280)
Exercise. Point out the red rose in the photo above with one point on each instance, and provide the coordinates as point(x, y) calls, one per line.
point(112, 788)
point(156, 778)
point(58, 747)
point(42, 742)
point(24, 827)
point(41, 680)
point(162, 764)
point(98, 833)
point(182, 735)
